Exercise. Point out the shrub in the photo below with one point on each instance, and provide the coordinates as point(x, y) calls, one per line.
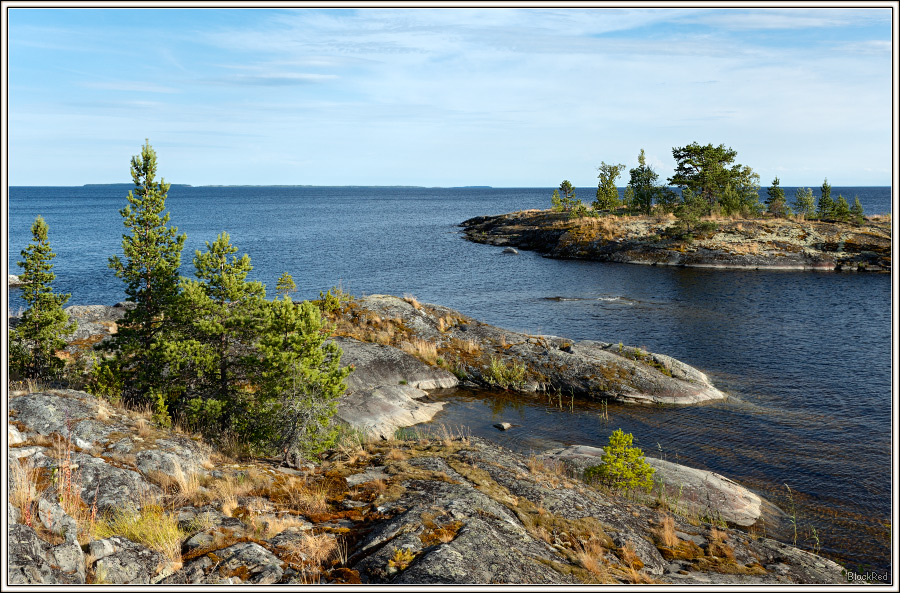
point(505, 376)
point(623, 467)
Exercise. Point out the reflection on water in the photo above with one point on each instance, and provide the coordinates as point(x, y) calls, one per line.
point(710, 437)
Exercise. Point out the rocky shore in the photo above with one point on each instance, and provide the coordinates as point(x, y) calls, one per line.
point(411, 506)
point(766, 243)
point(159, 506)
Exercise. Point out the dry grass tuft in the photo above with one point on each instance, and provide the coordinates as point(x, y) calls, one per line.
point(665, 533)
point(24, 489)
point(412, 301)
point(143, 427)
point(590, 555)
point(421, 349)
point(396, 455)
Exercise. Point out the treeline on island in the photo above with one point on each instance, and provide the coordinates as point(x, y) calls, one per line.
point(210, 353)
point(711, 183)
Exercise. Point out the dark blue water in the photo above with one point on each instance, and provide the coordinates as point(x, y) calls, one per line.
point(804, 356)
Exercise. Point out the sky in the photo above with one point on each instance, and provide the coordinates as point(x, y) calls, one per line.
point(507, 97)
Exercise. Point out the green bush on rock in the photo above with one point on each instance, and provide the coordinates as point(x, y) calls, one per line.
point(623, 467)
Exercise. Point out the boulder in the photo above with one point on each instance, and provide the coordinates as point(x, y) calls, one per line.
point(13, 281)
point(380, 411)
point(31, 561)
point(121, 561)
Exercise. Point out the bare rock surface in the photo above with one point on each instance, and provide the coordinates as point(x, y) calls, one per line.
point(586, 369)
point(696, 492)
point(382, 410)
point(441, 510)
point(376, 365)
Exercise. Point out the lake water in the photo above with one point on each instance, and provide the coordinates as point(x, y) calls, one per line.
point(805, 357)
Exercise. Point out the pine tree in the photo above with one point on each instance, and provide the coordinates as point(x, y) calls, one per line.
point(624, 466)
point(285, 284)
point(776, 203)
point(644, 185)
point(152, 255)
point(218, 320)
point(841, 209)
point(826, 204)
point(301, 380)
point(38, 335)
point(856, 211)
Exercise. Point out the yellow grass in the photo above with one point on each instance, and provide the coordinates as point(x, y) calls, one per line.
point(421, 349)
point(412, 301)
point(150, 526)
point(666, 532)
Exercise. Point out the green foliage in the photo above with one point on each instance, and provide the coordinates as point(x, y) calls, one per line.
point(804, 203)
point(776, 202)
point(628, 196)
point(580, 210)
point(262, 370)
point(218, 320)
point(503, 375)
point(285, 284)
point(623, 466)
point(826, 204)
point(555, 202)
point(563, 198)
point(708, 171)
point(688, 215)
point(856, 211)
point(334, 299)
point(644, 185)
point(841, 209)
point(39, 335)
point(607, 192)
point(152, 255)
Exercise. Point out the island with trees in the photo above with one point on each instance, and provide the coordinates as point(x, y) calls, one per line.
point(715, 219)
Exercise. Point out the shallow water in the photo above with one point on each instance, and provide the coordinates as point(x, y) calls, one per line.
point(805, 357)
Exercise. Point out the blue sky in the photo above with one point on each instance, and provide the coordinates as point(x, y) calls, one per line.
point(445, 97)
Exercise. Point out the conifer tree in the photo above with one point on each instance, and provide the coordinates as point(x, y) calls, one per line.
point(841, 209)
point(218, 319)
point(856, 211)
point(38, 335)
point(644, 185)
point(301, 380)
point(285, 284)
point(776, 202)
point(826, 204)
point(152, 255)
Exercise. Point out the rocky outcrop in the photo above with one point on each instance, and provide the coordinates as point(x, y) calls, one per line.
point(494, 357)
point(13, 281)
point(692, 491)
point(429, 510)
point(379, 411)
point(766, 243)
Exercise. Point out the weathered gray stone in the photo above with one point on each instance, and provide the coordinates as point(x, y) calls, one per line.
point(382, 410)
point(376, 365)
point(696, 492)
point(255, 563)
point(122, 561)
point(55, 519)
point(31, 560)
point(69, 558)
